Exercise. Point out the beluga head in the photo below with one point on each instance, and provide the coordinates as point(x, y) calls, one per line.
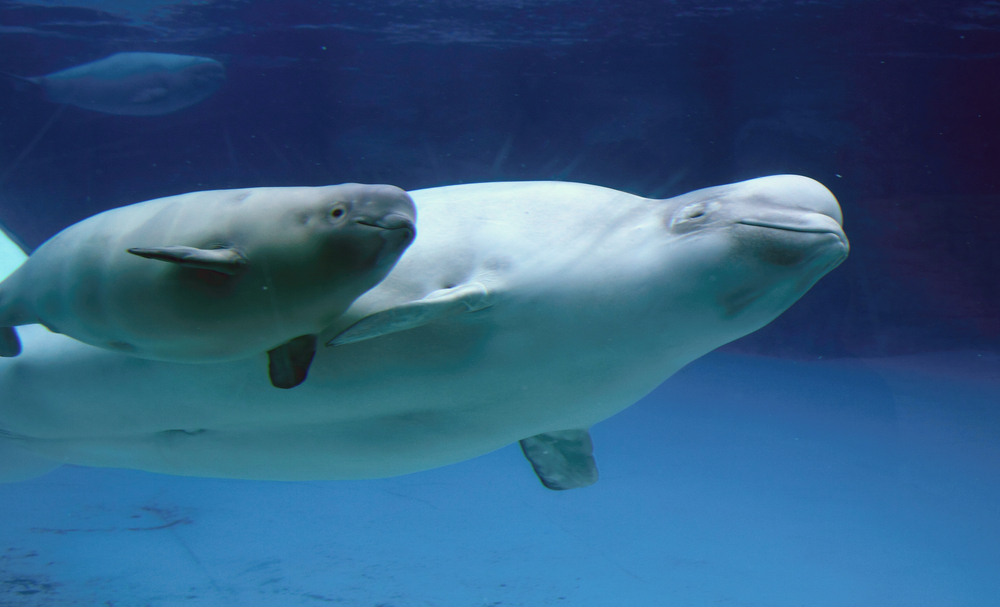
point(328, 240)
point(747, 251)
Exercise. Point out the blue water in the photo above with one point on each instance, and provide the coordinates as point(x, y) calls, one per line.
point(842, 483)
point(846, 455)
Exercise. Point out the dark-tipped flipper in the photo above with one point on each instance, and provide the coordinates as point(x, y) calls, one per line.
point(562, 460)
point(288, 364)
point(10, 345)
point(226, 261)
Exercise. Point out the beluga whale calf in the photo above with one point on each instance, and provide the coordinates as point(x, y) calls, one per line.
point(522, 312)
point(132, 84)
point(213, 276)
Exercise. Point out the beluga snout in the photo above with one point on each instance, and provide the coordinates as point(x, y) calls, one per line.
point(390, 210)
point(793, 203)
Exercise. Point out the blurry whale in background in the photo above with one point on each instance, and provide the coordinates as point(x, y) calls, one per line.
point(523, 311)
point(133, 84)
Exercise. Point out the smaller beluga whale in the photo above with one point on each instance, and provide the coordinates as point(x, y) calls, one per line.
point(523, 313)
point(131, 84)
point(213, 276)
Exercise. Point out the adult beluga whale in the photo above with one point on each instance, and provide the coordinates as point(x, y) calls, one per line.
point(522, 312)
point(132, 84)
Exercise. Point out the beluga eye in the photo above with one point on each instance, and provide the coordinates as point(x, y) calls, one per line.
point(694, 211)
point(690, 216)
point(337, 212)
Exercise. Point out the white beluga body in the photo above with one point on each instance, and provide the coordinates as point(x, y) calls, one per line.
point(215, 275)
point(133, 84)
point(523, 312)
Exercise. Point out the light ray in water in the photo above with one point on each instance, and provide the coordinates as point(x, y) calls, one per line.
point(31, 145)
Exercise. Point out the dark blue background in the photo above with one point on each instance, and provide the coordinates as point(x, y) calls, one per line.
point(895, 106)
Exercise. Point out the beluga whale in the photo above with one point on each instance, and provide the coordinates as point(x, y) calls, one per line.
point(131, 84)
point(523, 312)
point(213, 276)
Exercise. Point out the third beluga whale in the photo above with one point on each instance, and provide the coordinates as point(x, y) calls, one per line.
point(132, 84)
point(522, 312)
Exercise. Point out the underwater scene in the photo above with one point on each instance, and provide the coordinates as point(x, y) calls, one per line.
point(440, 303)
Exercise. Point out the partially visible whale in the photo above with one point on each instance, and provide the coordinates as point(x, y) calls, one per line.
point(522, 312)
point(213, 276)
point(133, 84)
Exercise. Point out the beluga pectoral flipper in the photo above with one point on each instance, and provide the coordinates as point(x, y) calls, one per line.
point(224, 261)
point(563, 459)
point(438, 305)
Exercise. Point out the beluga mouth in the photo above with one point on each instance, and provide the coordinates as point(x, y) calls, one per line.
point(396, 229)
point(812, 224)
point(392, 221)
point(788, 228)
